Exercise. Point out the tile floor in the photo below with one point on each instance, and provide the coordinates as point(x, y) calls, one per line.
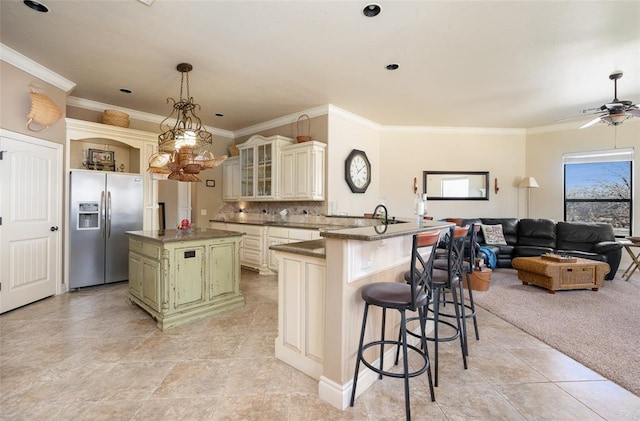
point(89, 355)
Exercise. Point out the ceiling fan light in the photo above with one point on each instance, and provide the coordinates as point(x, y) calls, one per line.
point(615, 119)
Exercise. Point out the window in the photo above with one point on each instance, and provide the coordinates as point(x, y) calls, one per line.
point(597, 188)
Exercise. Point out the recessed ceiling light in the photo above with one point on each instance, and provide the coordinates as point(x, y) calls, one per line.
point(371, 10)
point(125, 90)
point(38, 7)
point(392, 66)
point(219, 115)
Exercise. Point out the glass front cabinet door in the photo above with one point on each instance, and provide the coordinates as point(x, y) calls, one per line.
point(265, 186)
point(259, 167)
point(247, 158)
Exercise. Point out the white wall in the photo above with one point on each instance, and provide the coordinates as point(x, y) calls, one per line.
point(346, 132)
point(407, 152)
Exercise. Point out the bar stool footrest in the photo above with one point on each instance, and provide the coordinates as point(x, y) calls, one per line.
point(399, 375)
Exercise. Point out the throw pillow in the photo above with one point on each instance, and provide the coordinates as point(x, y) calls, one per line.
point(493, 235)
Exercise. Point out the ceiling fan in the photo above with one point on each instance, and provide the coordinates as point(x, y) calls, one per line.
point(617, 111)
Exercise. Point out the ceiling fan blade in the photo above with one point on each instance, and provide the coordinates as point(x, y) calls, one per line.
point(591, 123)
point(634, 112)
point(581, 116)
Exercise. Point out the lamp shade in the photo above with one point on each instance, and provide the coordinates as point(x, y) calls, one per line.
point(615, 119)
point(528, 182)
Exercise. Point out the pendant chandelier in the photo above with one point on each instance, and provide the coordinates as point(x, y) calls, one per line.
point(183, 149)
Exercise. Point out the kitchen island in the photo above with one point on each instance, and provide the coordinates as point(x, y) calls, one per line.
point(319, 303)
point(179, 277)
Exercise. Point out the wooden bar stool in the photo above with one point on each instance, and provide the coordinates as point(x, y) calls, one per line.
point(412, 296)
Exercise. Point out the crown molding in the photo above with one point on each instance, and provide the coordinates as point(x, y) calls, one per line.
point(79, 129)
point(347, 115)
point(24, 63)
point(281, 121)
point(138, 115)
point(495, 131)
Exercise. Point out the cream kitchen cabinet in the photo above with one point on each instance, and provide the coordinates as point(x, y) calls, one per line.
point(231, 179)
point(179, 278)
point(254, 249)
point(253, 252)
point(303, 171)
point(260, 167)
point(301, 312)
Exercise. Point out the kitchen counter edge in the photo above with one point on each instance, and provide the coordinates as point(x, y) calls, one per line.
point(381, 232)
point(312, 248)
point(169, 236)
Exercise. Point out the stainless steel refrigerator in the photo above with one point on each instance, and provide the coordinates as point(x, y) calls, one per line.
point(104, 205)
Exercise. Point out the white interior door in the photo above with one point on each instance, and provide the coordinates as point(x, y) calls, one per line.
point(30, 206)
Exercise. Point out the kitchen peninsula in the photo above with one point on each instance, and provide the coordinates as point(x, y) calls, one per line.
point(319, 303)
point(180, 277)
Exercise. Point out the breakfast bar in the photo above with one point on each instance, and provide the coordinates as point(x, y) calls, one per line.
point(319, 304)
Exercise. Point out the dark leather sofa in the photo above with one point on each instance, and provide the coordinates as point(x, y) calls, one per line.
point(534, 237)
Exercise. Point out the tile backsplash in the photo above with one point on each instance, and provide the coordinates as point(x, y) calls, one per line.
point(273, 208)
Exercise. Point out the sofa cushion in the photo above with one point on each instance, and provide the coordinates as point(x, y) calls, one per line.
point(582, 236)
point(531, 251)
point(537, 232)
point(583, 255)
point(509, 228)
point(493, 235)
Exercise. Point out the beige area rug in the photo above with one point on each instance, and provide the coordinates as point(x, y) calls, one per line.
point(601, 330)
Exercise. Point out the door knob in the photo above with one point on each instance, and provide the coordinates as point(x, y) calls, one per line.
point(53, 229)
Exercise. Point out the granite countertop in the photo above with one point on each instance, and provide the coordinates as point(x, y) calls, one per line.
point(348, 228)
point(380, 232)
point(168, 236)
point(302, 222)
point(316, 248)
point(313, 248)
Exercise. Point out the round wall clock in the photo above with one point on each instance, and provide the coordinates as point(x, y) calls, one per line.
point(357, 171)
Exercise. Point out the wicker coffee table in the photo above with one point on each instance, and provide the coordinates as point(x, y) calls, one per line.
point(559, 275)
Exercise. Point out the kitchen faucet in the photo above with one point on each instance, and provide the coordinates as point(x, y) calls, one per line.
point(385, 215)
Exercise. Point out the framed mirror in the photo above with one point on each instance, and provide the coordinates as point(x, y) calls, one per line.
point(456, 185)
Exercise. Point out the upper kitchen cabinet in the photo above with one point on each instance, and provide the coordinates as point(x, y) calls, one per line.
point(231, 179)
point(260, 167)
point(302, 174)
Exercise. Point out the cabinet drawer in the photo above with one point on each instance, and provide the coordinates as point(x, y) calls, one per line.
point(151, 251)
point(252, 257)
point(135, 246)
point(279, 232)
point(302, 235)
point(252, 230)
point(252, 242)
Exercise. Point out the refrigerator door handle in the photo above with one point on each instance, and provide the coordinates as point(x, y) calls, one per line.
point(109, 214)
point(102, 215)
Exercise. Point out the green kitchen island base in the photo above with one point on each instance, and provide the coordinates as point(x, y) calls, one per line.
point(178, 278)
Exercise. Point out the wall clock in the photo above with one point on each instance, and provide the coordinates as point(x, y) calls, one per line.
point(357, 171)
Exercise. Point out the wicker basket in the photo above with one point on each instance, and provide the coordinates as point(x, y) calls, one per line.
point(115, 118)
point(185, 155)
point(44, 112)
point(303, 137)
point(212, 163)
point(233, 150)
point(175, 175)
point(192, 169)
point(189, 178)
